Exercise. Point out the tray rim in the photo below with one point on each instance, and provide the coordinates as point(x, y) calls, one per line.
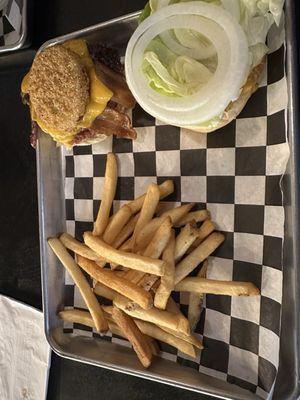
point(90, 29)
point(293, 121)
point(292, 127)
point(22, 40)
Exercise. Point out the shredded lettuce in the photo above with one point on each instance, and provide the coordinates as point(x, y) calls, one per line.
point(170, 74)
point(155, 82)
point(263, 7)
point(276, 9)
point(190, 72)
point(256, 18)
point(248, 8)
point(166, 56)
point(181, 75)
point(145, 13)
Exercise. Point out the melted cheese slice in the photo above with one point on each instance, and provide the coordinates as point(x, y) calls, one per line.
point(99, 93)
point(99, 96)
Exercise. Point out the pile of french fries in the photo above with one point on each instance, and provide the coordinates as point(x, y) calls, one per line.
point(136, 260)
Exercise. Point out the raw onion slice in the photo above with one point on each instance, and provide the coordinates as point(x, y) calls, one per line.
point(230, 44)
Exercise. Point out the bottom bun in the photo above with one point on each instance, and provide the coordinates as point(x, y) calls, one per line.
point(90, 141)
point(235, 107)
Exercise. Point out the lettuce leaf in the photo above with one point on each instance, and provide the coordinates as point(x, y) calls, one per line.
point(171, 74)
point(263, 7)
point(178, 75)
point(157, 4)
point(145, 13)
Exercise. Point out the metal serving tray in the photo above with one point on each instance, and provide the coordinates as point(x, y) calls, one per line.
point(50, 169)
point(23, 39)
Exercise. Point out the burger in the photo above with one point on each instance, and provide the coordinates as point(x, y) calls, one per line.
point(195, 64)
point(78, 95)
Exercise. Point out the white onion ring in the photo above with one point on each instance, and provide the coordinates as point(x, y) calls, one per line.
point(231, 46)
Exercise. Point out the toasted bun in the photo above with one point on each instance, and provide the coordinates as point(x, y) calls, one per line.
point(58, 88)
point(235, 107)
point(88, 142)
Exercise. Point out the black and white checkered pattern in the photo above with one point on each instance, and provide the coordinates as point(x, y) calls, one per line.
point(236, 174)
point(10, 22)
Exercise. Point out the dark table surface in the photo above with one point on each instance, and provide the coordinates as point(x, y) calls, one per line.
point(19, 243)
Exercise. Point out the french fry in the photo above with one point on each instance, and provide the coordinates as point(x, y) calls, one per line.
point(114, 328)
point(172, 307)
point(147, 281)
point(160, 208)
point(196, 300)
point(108, 309)
point(80, 248)
point(139, 343)
point(153, 345)
point(154, 315)
point(159, 240)
point(141, 279)
point(146, 234)
point(85, 318)
point(210, 286)
point(166, 188)
point(155, 286)
point(133, 240)
point(78, 317)
point(187, 338)
point(147, 211)
point(129, 260)
point(134, 276)
point(116, 223)
point(166, 337)
point(155, 249)
point(205, 230)
point(108, 194)
point(167, 280)
point(114, 266)
point(126, 246)
point(117, 283)
point(184, 240)
point(190, 262)
point(105, 291)
point(81, 282)
point(121, 272)
point(125, 232)
point(197, 216)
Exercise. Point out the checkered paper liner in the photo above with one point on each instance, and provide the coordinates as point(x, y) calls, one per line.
point(236, 174)
point(10, 21)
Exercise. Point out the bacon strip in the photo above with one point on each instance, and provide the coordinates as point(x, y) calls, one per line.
point(117, 84)
point(110, 122)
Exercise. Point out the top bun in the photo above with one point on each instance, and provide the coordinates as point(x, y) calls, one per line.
point(235, 107)
point(58, 88)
